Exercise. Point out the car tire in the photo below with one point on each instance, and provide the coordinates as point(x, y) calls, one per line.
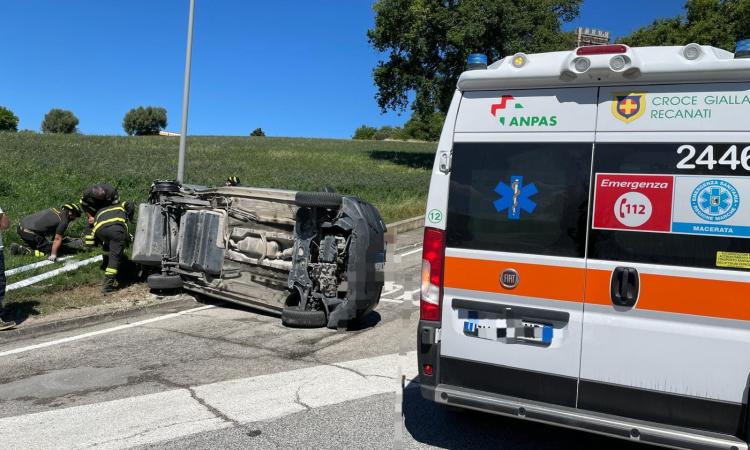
point(318, 200)
point(300, 318)
point(159, 282)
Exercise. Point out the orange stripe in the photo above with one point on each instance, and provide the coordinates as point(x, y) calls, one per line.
point(536, 280)
point(680, 295)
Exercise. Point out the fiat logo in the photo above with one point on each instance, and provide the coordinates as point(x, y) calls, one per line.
point(509, 278)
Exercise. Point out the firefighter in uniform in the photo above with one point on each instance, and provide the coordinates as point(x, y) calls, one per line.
point(232, 181)
point(44, 232)
point(110, 228)
point(93, 200)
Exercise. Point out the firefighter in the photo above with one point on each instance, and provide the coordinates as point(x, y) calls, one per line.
point(93, 200)
point(44, 232)
point(110, 228)
point(232, 181)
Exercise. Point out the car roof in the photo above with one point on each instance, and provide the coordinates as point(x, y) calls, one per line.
point(644, 65)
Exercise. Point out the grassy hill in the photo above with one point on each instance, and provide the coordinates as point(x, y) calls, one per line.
point(39, 171)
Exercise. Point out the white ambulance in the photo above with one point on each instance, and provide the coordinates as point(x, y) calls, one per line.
point(586, 255)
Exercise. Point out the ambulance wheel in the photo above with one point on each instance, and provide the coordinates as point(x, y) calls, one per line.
point(291, 316)
point(160, 282)
point(318, 199)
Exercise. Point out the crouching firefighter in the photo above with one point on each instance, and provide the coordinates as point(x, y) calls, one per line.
point(110, 228)
point(94, 199)
point(44, 232)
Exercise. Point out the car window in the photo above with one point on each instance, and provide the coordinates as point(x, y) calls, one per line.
point(520, 197)
point(685, 204)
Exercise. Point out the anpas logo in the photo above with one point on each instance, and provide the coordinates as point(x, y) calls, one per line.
point(715, 200)
point(507, 118)
point(628, 107)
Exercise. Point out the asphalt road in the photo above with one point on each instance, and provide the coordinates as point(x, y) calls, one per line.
point(218, 376)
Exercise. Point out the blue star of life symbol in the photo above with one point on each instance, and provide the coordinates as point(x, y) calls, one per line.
point(515, 197)
point(715, 200)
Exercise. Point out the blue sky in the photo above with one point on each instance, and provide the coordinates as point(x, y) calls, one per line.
point(292, 67)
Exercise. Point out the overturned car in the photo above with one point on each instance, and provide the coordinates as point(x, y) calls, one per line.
point(315, 257)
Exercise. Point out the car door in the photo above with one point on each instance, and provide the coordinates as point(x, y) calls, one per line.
point(667, 316)
point(515, 243)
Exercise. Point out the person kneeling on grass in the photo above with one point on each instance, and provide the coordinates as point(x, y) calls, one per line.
point(44, 232)
point(4, 224)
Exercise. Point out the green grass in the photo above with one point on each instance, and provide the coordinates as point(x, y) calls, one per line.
point(40, 171)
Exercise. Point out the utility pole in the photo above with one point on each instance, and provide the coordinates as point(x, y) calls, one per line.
point(186, 95)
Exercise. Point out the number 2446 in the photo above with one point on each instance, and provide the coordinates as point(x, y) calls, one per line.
point(706, 158)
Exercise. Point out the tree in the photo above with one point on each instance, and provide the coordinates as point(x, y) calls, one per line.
point(709, 22)
point(425, 127)
point(59, 121)
point(258, 132)
point(8, 120)
point(364, 133)
point(427, 42)
point(146, 121)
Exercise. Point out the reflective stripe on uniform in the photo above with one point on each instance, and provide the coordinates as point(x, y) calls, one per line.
point(102, 217)
point(110, 271)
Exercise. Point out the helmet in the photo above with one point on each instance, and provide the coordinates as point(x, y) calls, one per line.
point(232, 181)
point(73, 208)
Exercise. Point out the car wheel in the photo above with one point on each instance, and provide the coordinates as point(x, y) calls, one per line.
point(318, 199)
point(164, 282)
point(301, 318)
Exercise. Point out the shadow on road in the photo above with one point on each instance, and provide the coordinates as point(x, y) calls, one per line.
point(369, 321)
point(439, 426)
point(410, 159)
point(20, 311)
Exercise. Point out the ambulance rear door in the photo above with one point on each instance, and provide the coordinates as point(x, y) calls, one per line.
point(515, 243)
point(666, 328)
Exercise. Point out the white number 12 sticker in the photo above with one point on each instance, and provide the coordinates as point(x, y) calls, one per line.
point(706, 158)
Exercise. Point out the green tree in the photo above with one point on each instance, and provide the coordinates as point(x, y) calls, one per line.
point(364, 133)
point(146, 121)
point(427, 42)
point(708, 22)
point(425, 127)
point(258, 132)
point(8, 120)
point(59, 121)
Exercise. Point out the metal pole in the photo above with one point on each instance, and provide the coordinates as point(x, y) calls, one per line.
point(186, 95)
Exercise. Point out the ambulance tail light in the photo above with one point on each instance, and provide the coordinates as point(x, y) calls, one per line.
point(431, 291)
point(590, 50)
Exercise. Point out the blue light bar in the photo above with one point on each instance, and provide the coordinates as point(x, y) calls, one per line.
point(742, 50)
point(477, 61)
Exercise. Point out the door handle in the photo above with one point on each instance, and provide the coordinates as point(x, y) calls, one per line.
point(624, 287)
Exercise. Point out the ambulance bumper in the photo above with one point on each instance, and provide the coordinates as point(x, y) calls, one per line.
point(614, 426)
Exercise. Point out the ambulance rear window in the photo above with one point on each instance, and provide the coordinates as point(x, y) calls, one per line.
point(520, 197)
point(683, 204)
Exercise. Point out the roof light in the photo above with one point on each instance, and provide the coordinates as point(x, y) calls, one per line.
point(619, 62)
point(691, 52)
point(519, 60)
point(581, 64)
point(477, 61)
point(742, 49)
point(601, 50)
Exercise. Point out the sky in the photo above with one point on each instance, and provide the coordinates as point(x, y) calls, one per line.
point(290, 67)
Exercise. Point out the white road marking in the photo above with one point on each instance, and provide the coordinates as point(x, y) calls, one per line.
point(36, 265)
point(390, 300)
point(53, 273)
point(169, 415)
point(100, 332)
point(411, 252)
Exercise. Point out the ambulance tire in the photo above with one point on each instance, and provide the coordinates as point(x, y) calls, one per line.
point(293, 317)
point(329, 200)
point(158, 282)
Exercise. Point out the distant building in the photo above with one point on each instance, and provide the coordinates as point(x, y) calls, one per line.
point(167, 133)
point(591, 36)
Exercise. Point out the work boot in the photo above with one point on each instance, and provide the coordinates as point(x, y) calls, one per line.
point(16, 249)
point(110, 284)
